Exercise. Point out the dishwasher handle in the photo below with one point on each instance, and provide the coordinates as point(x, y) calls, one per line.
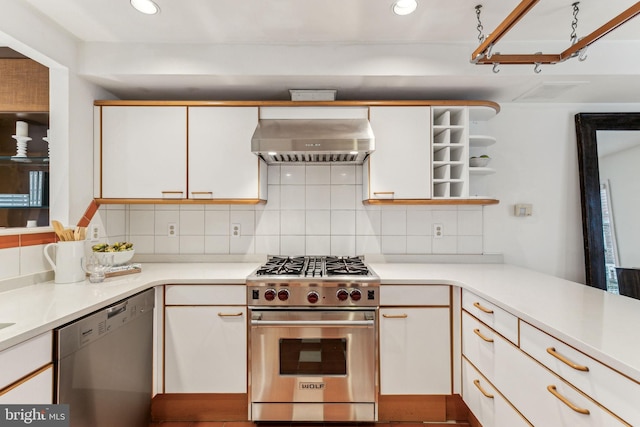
point(117, 309)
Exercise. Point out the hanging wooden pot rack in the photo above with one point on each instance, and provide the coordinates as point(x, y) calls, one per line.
point(483, 54)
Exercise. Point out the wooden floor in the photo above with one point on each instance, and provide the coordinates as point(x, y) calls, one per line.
point(285, 424)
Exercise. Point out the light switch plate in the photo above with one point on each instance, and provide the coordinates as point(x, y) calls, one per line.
point(523, 209)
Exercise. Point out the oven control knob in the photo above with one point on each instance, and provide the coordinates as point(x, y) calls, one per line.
point(270, 294)
point(313, 297)
point(342, 294)
point(356, 295)
point(283, 294)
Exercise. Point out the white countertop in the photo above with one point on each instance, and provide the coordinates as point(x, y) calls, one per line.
point(589, 319)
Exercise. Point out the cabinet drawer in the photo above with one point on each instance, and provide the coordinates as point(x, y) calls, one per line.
point(478, 345)
point(541, 396)
point(612, 390)
point(484, 401)
point(409, 295)
point(503, 322)
point(36, 390)
point(205, 295)
point(24, 358)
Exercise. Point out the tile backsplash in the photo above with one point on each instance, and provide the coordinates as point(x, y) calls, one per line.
point(312, 210)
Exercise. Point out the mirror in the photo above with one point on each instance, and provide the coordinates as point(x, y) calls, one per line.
point(609, 160)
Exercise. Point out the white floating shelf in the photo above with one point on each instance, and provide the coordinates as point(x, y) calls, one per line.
point(481, 140)
point(481, 171)
point(481, 113)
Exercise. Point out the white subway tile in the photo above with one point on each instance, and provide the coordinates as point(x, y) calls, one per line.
point(166, 245)
point(267, 223)
point(343, 174)
point(191, 207)
point(241, 245)
point(292, 175)
point(469, 223)
point(10, 263)
point(318, 223)
point(273, 175)
point(318, 197)
point(394, 223)
point(449, 221)
point(292, 197)
point(32, 259)
point(192, 244)
point(216, 223)
point(359, 175)
point(470, 245)
point(419, 244)
point(273, 202)
point(343, 223)
point(368, 222)
point(216, 244)
point(419, 222)
point(116, 222)
point(368, 245)
point(192, 224)
point(318, 174)
point(163, 219)
point(317, 245)
point(141, 207)
point(292, 245)
point(217, 207)
point(444, 245)
point(343, 197)
point(268, 245)
point(143, 244)
point(247, 220)
point(292, 223)
point(141, 222)
point(394, 244)
point(343, 245)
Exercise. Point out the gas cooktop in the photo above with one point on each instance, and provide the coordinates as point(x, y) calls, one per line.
point(313, 267)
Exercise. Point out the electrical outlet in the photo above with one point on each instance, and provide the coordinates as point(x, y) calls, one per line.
point(438, 231)
point(172, 229)
point(94, 233)
point(235, 230)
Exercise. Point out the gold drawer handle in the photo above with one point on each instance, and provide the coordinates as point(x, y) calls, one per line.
point(478, 333)
point(481, 308)
point(552, 390)
point(230, 314)
point(383, 192)
point(395, 316)
point(202, 193)
point(552, 351)
point(483, 391)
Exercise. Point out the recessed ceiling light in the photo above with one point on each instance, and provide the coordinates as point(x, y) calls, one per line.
point(147, 7)
point(404, 7)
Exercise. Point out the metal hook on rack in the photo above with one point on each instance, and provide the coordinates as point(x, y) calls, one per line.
point(582, 54)
point(489, 51)
point(495, 67)
point(537, 69)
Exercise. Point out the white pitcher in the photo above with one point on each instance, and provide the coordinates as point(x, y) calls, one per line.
point(68, 261)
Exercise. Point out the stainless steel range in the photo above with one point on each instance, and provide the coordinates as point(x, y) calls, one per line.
point(312, 341)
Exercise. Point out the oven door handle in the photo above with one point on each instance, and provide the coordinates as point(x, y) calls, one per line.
point(294, 323)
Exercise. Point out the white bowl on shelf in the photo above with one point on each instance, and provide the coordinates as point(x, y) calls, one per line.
point(118, 258)
point(479, 162)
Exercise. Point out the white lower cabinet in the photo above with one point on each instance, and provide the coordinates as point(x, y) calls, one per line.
point(415, 350)
point(36, 389)
point(486, 403)
point(30, 379)
point(205, 349)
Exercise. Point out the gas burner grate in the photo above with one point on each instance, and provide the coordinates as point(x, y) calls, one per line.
point(288, 266)
point(351, 266)
point(315, 267)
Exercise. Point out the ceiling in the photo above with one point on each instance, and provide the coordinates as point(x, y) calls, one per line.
point(266, 47)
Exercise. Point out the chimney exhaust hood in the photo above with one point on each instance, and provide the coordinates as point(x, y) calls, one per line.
point(313, 140)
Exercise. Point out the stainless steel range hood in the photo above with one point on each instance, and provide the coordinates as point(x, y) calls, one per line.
point(313, 140)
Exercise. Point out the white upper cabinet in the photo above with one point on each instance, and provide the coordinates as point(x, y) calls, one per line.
point(221, 164)
point(400, 166)
point(143, 152)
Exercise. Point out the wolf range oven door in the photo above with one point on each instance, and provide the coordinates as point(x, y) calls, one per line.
point(313, 365)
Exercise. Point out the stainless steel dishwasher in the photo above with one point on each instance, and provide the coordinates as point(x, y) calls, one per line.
point(104, 365)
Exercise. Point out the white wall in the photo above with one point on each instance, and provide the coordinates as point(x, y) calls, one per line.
point(537, 162)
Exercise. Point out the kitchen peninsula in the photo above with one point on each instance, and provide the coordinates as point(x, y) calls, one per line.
point(593, 324)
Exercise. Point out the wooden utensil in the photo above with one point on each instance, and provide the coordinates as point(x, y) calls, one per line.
point(58, 229)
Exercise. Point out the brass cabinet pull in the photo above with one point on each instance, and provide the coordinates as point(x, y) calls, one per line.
point(395, 316)
point(202, 193)
point(483, 391)
point(481, 308)
point(478, 333)
point(164, 193)
point(552, 351)
point(552, 390)
point(230, 314)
